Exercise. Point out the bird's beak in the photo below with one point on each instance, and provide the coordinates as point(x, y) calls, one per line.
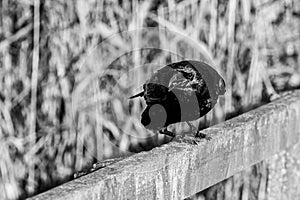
point(137, 95)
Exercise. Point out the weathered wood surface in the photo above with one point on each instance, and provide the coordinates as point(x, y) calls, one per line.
point(179, 170)
point(284, 174)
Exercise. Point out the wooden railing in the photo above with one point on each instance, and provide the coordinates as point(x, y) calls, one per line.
point(179, 170)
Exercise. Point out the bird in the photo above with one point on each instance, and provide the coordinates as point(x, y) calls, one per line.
point(183, 91)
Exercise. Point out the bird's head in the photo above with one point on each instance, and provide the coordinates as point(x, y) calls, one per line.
point(154, 92)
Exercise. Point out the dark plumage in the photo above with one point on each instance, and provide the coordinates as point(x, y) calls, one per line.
point(180, 92)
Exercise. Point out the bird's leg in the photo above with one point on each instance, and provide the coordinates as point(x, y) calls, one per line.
point(192, 128)
point(180, 138)
point(201, 135)
point(165, 131)
point(198, 134)
point(176, 138)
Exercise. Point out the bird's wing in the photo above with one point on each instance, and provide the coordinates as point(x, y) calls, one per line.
point(211, 77)
point(185, 78)
point(178, 81)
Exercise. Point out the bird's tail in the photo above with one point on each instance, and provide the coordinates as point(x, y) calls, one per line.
point(137, 95)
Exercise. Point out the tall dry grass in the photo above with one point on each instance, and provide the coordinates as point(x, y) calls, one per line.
point(68, 67)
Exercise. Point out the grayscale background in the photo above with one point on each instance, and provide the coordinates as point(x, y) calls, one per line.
point(67, 68)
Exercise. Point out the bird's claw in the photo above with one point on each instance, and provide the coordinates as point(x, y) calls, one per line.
point(202, 136)
point(164, 131)
point(185, 139)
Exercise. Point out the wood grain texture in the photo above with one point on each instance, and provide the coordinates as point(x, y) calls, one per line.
point(179, 170)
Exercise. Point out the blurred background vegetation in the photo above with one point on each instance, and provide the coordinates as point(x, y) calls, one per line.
point(68, 67)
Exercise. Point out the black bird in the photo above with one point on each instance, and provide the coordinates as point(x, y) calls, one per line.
point(180, 92)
